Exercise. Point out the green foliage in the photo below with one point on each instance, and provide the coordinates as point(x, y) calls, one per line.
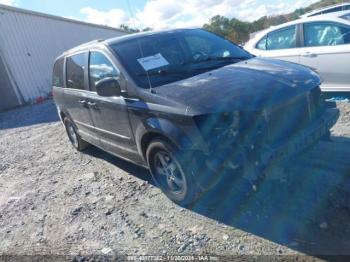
point(239, 31)
point(130, 30)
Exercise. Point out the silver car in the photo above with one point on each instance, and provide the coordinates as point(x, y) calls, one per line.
point(321, 42)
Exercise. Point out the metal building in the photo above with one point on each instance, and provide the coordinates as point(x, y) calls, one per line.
point(29, 43)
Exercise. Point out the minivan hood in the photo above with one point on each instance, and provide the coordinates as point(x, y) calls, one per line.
point(248, 85)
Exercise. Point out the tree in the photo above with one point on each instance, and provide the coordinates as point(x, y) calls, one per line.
point(130, 30)
point(239, 31)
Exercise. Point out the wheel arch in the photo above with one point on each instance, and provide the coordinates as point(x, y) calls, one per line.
point(62, 116)
point(149, 137)
point(159, 129)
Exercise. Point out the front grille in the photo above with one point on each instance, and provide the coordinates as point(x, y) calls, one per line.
point(288, 119)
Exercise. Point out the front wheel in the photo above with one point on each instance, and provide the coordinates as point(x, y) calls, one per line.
point(173, 172)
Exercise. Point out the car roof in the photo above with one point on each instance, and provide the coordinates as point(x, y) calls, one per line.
point(335, 17)
point(84, 46)
point(143, 34)
point(324, 9)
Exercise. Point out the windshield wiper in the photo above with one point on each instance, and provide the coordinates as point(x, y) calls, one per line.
point(161, 72)
point(216, 58)
point(227, 58)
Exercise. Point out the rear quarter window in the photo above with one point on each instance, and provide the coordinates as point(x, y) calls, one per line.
point(57, 74)
point(75, 66)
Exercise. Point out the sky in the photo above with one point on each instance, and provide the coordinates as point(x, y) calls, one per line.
point(158, 14)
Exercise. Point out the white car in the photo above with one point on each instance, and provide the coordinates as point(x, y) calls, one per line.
point(328, 9)
point(321, 42)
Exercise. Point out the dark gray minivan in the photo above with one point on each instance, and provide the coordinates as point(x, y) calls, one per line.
point(188, 104)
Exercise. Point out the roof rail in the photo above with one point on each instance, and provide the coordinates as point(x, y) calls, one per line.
point(84, 45)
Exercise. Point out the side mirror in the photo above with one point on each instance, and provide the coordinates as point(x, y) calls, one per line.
point(108, 87)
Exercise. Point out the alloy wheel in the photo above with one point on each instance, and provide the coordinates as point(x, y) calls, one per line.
point(168, 173)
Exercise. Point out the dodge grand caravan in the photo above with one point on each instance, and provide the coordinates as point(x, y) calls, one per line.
point(188, 104)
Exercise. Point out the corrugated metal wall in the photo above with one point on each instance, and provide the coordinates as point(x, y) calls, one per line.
point(29, 43)
point(8, 96)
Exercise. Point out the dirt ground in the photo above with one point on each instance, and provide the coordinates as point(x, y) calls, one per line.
point(56, 201)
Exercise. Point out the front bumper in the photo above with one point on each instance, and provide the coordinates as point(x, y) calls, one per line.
point(302, 140)
point(256, 161)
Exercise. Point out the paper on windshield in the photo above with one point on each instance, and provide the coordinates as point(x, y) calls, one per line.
point(152, 62)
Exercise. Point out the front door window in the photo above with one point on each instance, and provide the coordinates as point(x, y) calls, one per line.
point(100, 68)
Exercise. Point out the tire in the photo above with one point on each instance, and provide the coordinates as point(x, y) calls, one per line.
point(75, 139)
point(170, 173)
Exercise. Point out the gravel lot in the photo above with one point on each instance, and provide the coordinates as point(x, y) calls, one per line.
point(56, 201)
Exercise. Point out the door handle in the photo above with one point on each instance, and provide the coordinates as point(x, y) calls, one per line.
point(93, 105)
point(309, 54)
point(82, 102)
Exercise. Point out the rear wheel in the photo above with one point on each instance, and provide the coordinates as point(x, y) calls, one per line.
point(73, 136)
point(172, 172)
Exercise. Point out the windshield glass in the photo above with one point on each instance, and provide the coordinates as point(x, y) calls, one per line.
point(172, 56)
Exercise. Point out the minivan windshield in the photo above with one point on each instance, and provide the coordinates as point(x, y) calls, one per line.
point(162, 58)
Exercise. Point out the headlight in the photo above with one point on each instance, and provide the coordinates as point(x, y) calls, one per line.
point(219, 124)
